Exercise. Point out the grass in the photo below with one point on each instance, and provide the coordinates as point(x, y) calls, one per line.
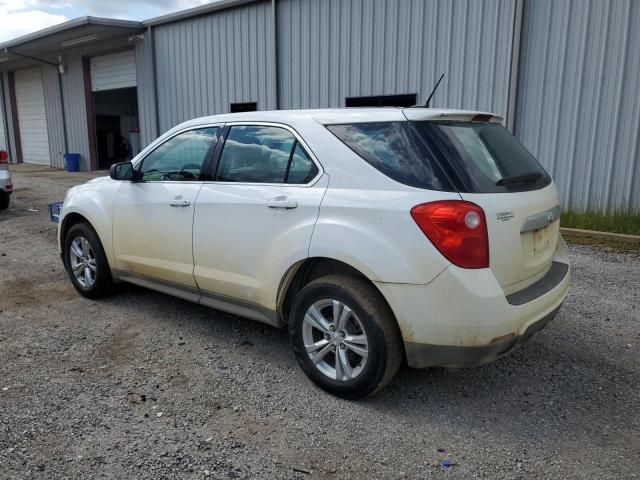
point(620, 221)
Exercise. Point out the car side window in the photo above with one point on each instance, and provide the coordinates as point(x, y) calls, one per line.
point(302, 169)
point(263, 154)
point(179, 158)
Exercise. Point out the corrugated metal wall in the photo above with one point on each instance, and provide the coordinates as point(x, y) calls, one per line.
point(578, 104)
point(3, 135)
point(8, 117)
point(76, 111)
point(146, 90)
point(206, 63)
point(333, 49)
point(54, 115)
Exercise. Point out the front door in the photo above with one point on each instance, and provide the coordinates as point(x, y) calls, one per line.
point(256, 218)
point(153, 217)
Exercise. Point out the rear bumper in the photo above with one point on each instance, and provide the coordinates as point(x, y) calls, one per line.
point(463, 317)
point(421, 355)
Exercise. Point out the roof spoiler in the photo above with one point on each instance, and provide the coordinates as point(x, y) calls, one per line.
point(421, 114)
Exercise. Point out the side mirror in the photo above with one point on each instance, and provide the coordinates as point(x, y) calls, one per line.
point(122, 171)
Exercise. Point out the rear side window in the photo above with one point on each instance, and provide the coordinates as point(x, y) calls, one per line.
point(394, 149)
point(301, 169)
point(264, 154)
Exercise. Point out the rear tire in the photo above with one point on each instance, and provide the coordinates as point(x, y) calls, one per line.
point(364, 338)
point(86, 262)
point(4, 200)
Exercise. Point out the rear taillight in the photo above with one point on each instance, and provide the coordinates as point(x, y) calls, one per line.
point(4, 157)
point(458, 229)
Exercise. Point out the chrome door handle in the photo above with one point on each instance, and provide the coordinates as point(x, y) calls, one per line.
point(179, 202)
point(282, 202)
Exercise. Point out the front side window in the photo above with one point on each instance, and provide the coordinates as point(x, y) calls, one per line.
point(263, 154)
point(179, 158)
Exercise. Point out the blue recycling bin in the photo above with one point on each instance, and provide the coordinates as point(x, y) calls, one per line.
point(72, 162)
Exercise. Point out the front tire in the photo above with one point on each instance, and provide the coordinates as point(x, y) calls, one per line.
point(87, 263)
point(344, 336)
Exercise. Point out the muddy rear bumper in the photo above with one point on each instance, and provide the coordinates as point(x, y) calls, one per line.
point(422, 355)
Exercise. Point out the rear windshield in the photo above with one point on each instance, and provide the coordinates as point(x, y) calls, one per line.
point(452, 156)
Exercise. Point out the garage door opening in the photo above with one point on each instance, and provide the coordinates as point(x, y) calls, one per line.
point(116, 123)
point(115, 107)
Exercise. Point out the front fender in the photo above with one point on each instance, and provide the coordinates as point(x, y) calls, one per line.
point(95, 203)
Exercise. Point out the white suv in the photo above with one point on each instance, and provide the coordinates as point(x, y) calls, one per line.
point(375, 235)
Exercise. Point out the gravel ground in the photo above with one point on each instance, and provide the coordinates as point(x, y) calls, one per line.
point(143, 385)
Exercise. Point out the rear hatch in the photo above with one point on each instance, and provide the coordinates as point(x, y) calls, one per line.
point(470, 154)
point(492, 169)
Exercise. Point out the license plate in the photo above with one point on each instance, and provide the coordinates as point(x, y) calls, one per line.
point(541, 241)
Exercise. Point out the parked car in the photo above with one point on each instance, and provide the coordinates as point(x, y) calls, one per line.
point(376, 235)
point(6, 184)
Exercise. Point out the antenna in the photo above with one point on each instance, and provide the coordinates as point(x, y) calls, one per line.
point(426, 105)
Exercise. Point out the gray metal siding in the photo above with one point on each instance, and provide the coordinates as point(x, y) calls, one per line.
point(54, 115)
point(76, 111)
point(578, 105)
point(9, 118)
point(146, 95)
point(334, 49)
point(206, 63)
point(3, 126)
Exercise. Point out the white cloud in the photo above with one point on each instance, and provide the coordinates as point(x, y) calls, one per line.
point(21, 17)
point(16, 24)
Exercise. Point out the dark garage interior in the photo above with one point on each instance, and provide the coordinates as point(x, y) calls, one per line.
point(117, 128)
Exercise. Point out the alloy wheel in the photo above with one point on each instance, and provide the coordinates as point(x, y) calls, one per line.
point(82, 261)
point(335, 340)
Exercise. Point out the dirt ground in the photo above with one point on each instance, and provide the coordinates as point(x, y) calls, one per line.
point(142, 385)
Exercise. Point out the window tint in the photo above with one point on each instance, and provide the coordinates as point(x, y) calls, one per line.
point(262, 154)
point(302, 168)
point(395, 150)
point(180, 158)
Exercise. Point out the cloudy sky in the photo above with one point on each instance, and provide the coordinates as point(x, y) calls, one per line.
point(19, 17)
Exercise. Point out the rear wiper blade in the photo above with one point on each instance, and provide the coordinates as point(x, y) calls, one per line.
point(520, 179)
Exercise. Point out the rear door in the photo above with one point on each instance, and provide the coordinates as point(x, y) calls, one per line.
point(256, 218)
point(153, 217)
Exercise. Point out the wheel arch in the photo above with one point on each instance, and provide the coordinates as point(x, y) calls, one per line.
point(69, 221)
point(75, 217)
point(309, 269)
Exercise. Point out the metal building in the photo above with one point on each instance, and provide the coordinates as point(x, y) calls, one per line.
point(563, 73)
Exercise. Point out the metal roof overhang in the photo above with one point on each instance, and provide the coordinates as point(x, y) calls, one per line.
point(74, 33)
